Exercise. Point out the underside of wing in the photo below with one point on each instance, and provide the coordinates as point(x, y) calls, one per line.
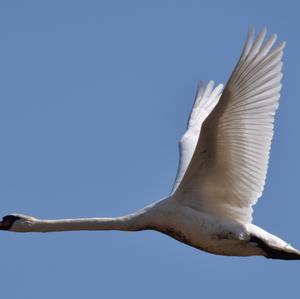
point(205, 100)
point(227, 172)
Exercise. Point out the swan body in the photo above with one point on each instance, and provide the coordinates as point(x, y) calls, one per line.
point(222, 168)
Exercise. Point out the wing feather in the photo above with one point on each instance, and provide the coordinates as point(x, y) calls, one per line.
point(206, 98)
point(226, 173)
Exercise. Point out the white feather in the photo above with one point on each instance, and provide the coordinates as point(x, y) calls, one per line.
point(226, 173)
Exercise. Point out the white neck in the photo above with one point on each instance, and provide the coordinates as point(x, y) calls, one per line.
point(118, 223)
point(140, 220)
point(149, 217)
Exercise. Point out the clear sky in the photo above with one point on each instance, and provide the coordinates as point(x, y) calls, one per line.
point(94, 96)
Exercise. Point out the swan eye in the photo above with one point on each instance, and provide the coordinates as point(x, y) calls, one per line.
point(8, 221)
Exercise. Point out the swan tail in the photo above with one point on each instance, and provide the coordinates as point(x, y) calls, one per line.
point(273, 252)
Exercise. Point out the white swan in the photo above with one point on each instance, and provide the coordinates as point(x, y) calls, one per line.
point(221, 172)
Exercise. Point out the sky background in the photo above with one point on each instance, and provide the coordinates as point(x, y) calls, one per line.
point(94, 96)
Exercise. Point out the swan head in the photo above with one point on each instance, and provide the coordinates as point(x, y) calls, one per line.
point(17, 223)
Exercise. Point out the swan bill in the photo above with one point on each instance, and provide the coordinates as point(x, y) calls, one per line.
point(8, 221)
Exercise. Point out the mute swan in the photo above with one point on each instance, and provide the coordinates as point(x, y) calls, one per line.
point(221, 171)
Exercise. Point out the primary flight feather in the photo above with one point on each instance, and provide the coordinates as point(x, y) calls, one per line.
point(222, 169)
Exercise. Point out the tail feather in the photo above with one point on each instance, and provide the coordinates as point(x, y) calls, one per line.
point(281, 254)
point(272, 252)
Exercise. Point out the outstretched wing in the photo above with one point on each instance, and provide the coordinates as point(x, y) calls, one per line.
point(227, 172)
point(205, 100)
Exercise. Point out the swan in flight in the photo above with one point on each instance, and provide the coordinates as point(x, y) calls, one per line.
point(223, 164)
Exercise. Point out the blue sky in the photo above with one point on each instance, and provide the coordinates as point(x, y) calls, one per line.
point(94, 98)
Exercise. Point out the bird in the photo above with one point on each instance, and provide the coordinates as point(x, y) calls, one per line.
point(222, 169)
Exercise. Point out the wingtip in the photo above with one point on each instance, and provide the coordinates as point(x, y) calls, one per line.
point(264, 30)
point(211, 82)
point(261, 35)
point(280, 47)
point(221, 86)
point(219, 89)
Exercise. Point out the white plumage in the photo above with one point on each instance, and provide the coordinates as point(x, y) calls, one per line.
point(227, 172)
point(222, 168)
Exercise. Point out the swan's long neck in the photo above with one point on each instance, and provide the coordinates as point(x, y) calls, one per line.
point(117, 223)
point(140, 220)
point(149, 217)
